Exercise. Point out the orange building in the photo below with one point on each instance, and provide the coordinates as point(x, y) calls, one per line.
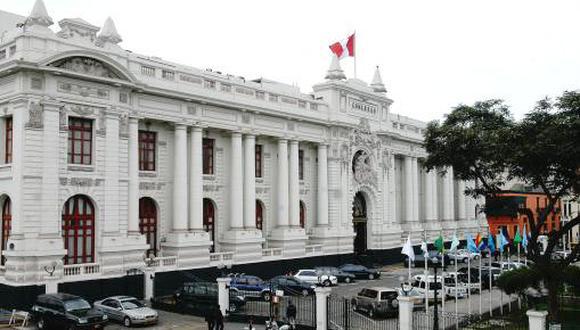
point(502, 212)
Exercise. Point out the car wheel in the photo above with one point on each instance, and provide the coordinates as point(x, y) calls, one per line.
point(371, 276)
point(233, 308)
point(395, 303)
point(326, 283)
point(305, 292)
point(266, 296)
point(127, 322)
point(347, 280)
point(40, 324)
point(465, 260)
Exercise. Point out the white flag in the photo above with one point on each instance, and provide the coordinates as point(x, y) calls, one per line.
point(424, 249)
point(408, 249)
point(454, 243)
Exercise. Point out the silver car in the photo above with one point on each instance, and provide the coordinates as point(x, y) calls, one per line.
point(128, 310)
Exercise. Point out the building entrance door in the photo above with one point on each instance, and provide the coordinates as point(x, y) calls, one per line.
point(359, 219)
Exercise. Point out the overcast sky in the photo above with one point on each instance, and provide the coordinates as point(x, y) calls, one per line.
point(432, 54)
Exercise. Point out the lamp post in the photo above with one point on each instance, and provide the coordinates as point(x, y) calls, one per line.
point(435, 263)
point(403, 289)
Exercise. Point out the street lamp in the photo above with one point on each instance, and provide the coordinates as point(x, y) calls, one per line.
point(403, 289)
point(435, 263)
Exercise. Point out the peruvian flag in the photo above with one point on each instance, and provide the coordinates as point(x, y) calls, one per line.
point(343, 48)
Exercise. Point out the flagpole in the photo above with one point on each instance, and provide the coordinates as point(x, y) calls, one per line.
point(426, 257)
point(500, 291)
point(469, 285)
point(480, 295)
point(519, 298)
point(355, 53)
point(490, 286)
point(508, 267)
point(456, 287)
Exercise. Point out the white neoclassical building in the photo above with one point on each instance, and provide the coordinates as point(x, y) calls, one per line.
point(111, 160)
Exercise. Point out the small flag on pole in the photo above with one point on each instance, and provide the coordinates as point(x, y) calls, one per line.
point(343, 48)
point(439, 244)
point(471, 244)
point(525, 239)
point(518, 237)
point(490, 242)
point(408, 249)
point(502, 241)
point(454, 243)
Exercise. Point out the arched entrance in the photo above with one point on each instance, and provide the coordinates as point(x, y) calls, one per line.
point(209, 220)
point(148, 223)
point(359, 220)
point(6, 226)
point(78, 230)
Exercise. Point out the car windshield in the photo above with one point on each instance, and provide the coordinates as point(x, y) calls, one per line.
point(131, 304)
point(76, 305)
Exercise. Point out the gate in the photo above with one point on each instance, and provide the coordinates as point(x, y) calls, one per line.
point(259, 309)
point(341, 316)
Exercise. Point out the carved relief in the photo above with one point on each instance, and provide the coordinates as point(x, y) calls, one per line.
point(83, 90)
point(62, 122)
point(82, 110)
point(81, 182)
point(364, 172)
point(35, 116)
point(124, 125)
point(86, 65)
point(246, 118)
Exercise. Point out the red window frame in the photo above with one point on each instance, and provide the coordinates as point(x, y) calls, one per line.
point(78, 230)
point(258, 164)
point(80, 141)
point(208, 156)
point(148, 223)
point(302, 214)
point(209, 220)
point(259, 215)
point(6, 226)
point(147, 146)
point(8, 140)
point(301, 164)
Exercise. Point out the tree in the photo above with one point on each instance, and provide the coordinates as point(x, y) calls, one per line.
point(483, 143)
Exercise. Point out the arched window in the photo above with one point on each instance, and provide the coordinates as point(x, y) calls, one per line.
point(209, 220)
point(259, 214)
point(148, 223)
point(302, 214)
point(6, 225)
point(78, 230)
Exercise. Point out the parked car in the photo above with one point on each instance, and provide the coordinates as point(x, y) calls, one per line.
point(202, 296)
point(66, 311)
point(376, 301)
point(128, 310)
point(360, 271)
point(292, 286)
point(463, 280)
point(420, 286)
point(475, 276)
point(313, 277)
point(341, 276)
point(420, 260)
point(463, 255)
point(250, 286)
point(505, 265)
point(451, 290)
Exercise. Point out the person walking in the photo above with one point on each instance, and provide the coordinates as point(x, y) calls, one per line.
point(219, 319)
point(209, 318)
point(291, 314)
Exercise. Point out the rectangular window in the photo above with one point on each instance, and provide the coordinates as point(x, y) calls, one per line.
point(208, 158)
point(8, 140)
point(147, 142)
point(301, 164)
point(260, 95)
point(209, 84)
point(147, 71)
point(258, 160)
point(169, 75)
point(80, 141)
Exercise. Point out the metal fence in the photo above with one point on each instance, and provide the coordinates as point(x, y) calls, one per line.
point(276, 309)
point(341, 316)
point(450, 321)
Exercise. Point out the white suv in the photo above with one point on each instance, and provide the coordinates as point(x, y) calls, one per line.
point(314, 277)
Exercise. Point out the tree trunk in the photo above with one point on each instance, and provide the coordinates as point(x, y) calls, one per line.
point(553, 287)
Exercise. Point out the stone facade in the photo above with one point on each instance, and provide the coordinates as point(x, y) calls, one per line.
point(350, 141)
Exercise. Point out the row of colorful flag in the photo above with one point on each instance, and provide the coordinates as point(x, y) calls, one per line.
point(478, 244)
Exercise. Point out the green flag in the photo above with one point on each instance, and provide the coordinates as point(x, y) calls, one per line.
point(518, 237)
point(439, 244)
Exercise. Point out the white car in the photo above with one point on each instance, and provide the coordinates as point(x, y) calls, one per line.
point(463, 255)
point(422, 284)
point(313, 277)
point(128, 310)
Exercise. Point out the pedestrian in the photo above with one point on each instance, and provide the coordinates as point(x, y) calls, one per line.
point(251, 324)
point(291, 314)
point(209, 318)
point(219, 318)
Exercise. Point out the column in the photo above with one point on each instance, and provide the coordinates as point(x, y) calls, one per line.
point(133, 159)
point(450, 193)
point(428, 193)
point(408, 188)
point(461, 214)
point(112, 194)
point(282, 183)
point(322, 191)
point(322, 307)
point(51, 222)
point(294, 198)
point(236, 183)
point(180, 179)
point(415, 178)
point(250, 181)
point(19, 109)
point(196, 180)
point(393, 189)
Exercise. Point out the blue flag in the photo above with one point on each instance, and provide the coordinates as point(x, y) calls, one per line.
point(490, 242)
point(525, 239)
point(502, 241)
point(471, 244)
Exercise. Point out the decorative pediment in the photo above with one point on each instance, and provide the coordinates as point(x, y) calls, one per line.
point(362, 136)
point(88, 66)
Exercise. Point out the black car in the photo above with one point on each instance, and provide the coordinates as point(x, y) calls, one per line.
point(292, 286)
point(419, 261)
point(66, 311)
point(201, 297)
point(475, 276)
point(341, 276)
point(360, 271)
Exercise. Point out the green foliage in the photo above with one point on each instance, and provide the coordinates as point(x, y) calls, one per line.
point(571, 276)
point(518, 280)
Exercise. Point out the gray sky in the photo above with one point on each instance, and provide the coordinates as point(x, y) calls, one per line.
point(432, 54)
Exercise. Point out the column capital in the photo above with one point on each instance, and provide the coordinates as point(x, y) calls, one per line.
point(180, 126)
point(292, 142)
point(196, 128)
point(236, 133)
point(51, 105)
point(282, 140)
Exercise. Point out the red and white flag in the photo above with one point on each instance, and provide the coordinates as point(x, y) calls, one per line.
point(343, 48)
